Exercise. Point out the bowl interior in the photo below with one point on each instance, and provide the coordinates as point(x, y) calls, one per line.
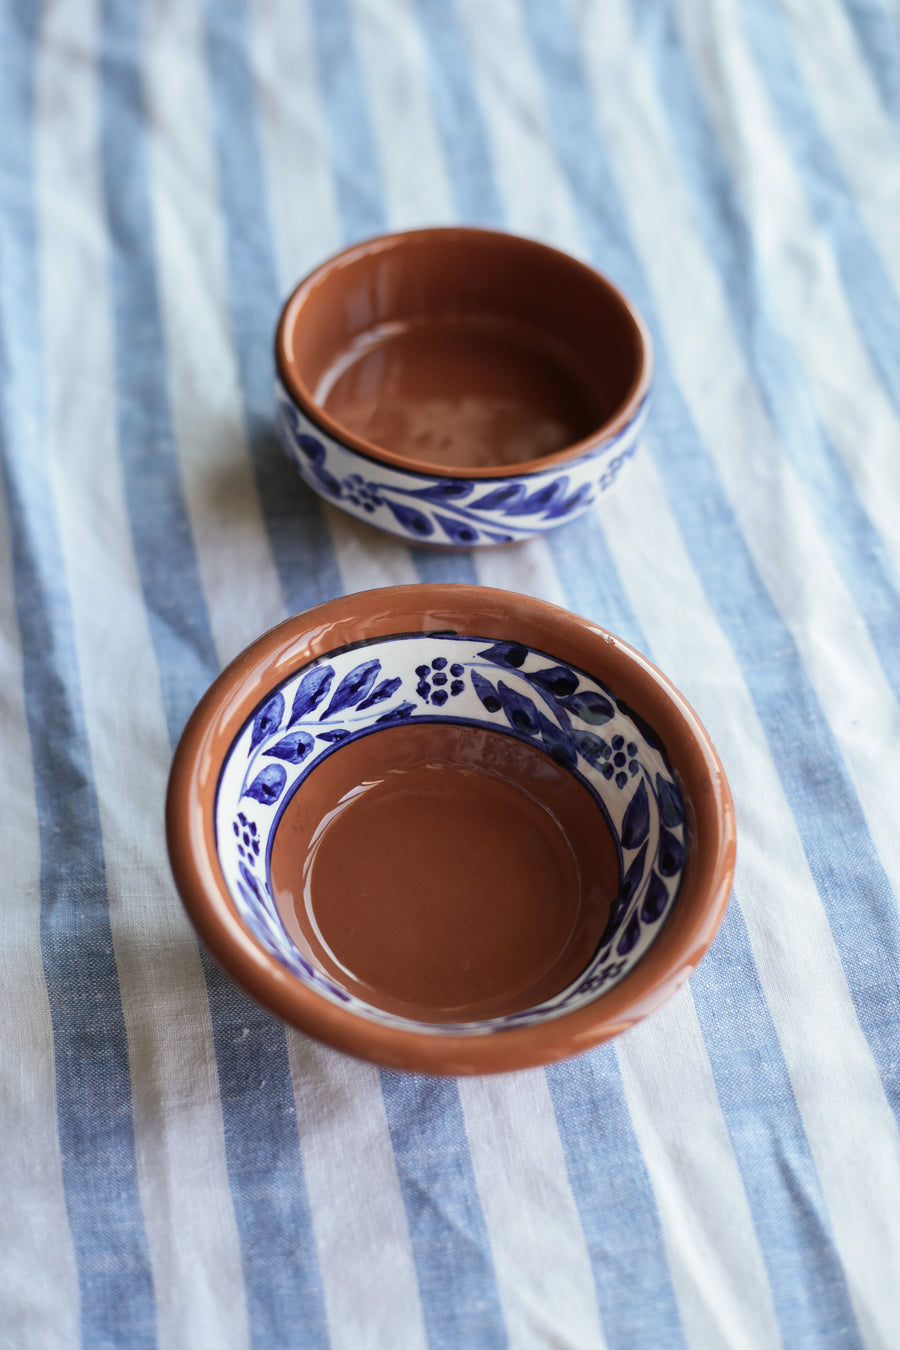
point(460, 348)
point(450, 833)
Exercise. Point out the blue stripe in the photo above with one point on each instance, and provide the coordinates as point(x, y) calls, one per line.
point(858, 550)
point(777, 1168)
point(446, 1226)
point(868, 288)
point(293, 514)
point(806, 757)
point(264, 1167)
point(353, 155)
point(94, 1107)
point(879, 43)
point(615, 1202)
point(459, 127)
point(753, 1083)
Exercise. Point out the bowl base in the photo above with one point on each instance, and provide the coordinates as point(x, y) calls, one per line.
point(445, 872)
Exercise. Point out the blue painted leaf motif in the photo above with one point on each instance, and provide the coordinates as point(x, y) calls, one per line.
point(559, 681)
point(520, 711)
point(292, 748)
point(353, 687)
point(642, 725)
point(578, 499)
point(558, 743)
point(398, 714)
point(498, 539)
point(636, 825)
point(593, 747)
point(655, 900)
point(310, 692)
point(671, 804)
point(590, 706)
point(413, 521)
point(506, 654)
point(268, 785)
point(632, 877)
point(671, 853)
point(505, 498)
point(457, 530)
point(616, 915)
point(250, 880)
point(267, 720)
point(486, 692)
point(312, 448)
point(630, 936)
point(544, 498)
point(326, 481)
point(381, 692)
point(444, 492)
point(248, 897)
point(339, 734)
point(315, 452)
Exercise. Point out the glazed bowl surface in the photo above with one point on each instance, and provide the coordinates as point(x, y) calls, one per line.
point(458, 386)
point(450, 829)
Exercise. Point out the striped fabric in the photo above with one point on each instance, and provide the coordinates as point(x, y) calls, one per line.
point(177, 1170)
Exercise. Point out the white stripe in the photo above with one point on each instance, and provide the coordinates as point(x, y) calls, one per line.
point(526, 568)
point(527, 172)
point(851, 1131)
point(853, 118)
point(415, 186)
point(368, 557)
point(299, 181)
point(306, 230)
point(541, 1259)
point(789, 551)
point(187, 1208)
point(204, 381)
point(801, 272)
point(359, 1218)
point(362, 1237)
point(715, 1260)
point(38, 1278)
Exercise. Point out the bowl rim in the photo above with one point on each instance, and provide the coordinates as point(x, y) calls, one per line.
point(475, 611)
point(303, 398)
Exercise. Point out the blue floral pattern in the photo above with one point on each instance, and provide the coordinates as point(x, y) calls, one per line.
point(452, 512)
point(574, 718)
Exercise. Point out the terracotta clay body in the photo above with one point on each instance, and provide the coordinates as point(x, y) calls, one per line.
point(463, 349)
point(445, 873)
point(440, 875)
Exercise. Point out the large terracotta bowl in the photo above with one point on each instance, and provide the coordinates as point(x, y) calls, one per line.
point(450, 829)
point(460, 386)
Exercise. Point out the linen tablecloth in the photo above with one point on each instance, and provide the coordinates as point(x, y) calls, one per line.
point(175, 1167)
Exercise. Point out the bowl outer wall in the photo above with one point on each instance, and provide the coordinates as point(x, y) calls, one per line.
point(493, 615)
point(523, 250)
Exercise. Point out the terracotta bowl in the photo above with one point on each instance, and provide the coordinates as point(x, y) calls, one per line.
point(450, 829)
point(460, 386)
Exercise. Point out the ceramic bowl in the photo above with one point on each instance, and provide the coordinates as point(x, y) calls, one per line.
point(450, 829)
point(460, 387)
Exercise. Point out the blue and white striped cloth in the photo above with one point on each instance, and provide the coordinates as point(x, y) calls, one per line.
point(177, 1170)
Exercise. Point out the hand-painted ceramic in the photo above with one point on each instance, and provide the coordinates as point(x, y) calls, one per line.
point(450, 829)
point(460, 387)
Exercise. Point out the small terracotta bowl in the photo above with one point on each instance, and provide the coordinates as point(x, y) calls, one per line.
point(450, 829)
point(460, 386)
